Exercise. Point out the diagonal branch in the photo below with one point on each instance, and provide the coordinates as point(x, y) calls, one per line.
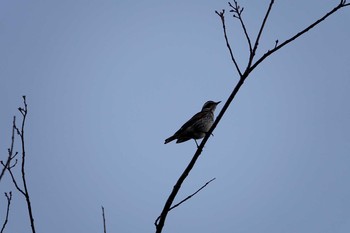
point(243, 76)
point(252, 54)
point(189, 167)
point(238, 10)
point(10, 150)
point(222, 17)
point(104, 220)
point(188, 197)
point(268, 53)
point(15, 182)
point(24, 112)
point(23, 191)
point(9, 198)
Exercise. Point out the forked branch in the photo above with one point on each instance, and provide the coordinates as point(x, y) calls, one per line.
point(243, 75)
point(11, 155)
point(24, 190)
point(9, 198)
point(256, 44)
point(222, 17)
point(188, 197)
point(237, 13)
point(341, 4)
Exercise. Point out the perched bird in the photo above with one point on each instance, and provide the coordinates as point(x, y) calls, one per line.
point(197, 126)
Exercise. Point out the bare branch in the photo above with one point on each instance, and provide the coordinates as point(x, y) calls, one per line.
point(237, 10)
point(188, 197)
point(343, 2)
point(15, 182)
point(23, 191)
point(222, 17)
point(10, 150)
point(189, 167)
point(30, 212)
point(160, 224)
point(10, 166)
point(268, 53)
point(104, 220)
point(9, 198)
point(13, 165)
point(252, 54)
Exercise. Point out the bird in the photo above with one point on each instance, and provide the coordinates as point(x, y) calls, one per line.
point(197, 126)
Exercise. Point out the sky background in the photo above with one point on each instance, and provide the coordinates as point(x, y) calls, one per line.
point(107, 81)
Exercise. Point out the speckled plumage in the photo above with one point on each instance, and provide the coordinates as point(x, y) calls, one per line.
point(197, 126)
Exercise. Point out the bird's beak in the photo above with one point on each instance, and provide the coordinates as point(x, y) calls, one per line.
point(218, 102)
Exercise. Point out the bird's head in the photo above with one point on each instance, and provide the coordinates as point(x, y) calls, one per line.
point(210, 105)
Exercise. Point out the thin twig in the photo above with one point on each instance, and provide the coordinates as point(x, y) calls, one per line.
point(10, 166)
point(15, 182)
point(268, 53)
point(24, 113)
point(10, 150)
point(221, 14)
point(238, 10)
point(189, 167)
point(177, 186)
point(23, 191)
point(104, 220)
point(9, 198)
point(256, 44)
point(188, 197)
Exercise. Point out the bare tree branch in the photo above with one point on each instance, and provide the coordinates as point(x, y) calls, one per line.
point(14, 181)
point(189, 167)
point(10, 150)
point(188, 197)
point(104, 220)
point(23, 191)
point(260, 33)
point(9, 198)
point(277, 47)
point(237, 10)
point(243, 76)
point(29, 206)
point(221, 14)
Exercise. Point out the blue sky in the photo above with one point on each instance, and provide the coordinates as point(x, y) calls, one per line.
point(107, 81)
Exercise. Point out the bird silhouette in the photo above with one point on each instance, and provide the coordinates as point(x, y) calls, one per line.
point(197, 126)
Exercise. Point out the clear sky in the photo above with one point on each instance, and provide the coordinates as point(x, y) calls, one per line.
point(107, 81)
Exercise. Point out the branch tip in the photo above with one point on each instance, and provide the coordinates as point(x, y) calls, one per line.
point(237, 10)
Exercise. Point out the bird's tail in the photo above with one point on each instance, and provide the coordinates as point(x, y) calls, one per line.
point(169, 139)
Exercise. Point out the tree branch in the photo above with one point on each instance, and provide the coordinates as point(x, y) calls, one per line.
point(23, 191)
point(15, 182)
point(29, 206)
point(252, 54)
point(10, 150)
point(268, 53)
point(238, 14)
point(189, 167)
point(104, 220)
point(222, 17)
point(188, 197)
point(9, 198)
point(243, 76)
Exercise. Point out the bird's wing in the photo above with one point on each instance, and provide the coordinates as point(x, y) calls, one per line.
point(191, 122)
